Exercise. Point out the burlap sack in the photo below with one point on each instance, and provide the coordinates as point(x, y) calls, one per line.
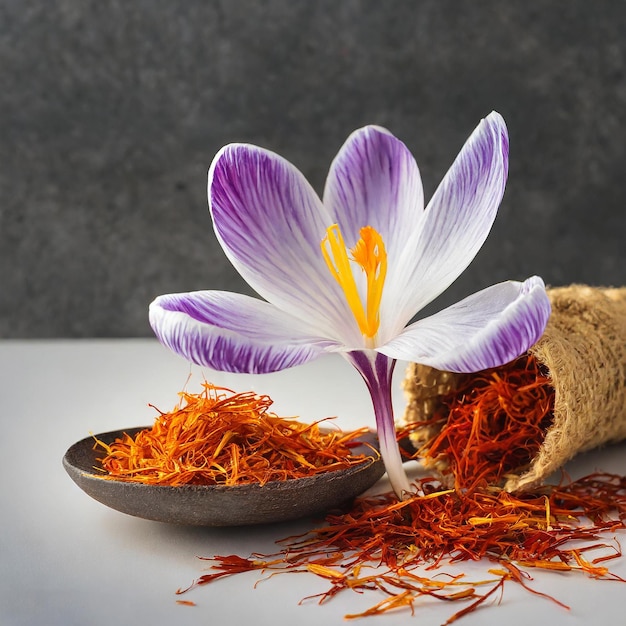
point(584, 351)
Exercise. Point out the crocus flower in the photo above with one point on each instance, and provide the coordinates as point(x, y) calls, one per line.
point(349, 272)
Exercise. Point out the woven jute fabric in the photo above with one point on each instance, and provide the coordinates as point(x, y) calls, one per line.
point(583, 350)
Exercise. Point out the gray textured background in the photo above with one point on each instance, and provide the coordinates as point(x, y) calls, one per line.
point(110, 114)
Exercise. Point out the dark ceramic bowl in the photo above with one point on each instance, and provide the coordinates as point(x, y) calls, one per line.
point(219, 505)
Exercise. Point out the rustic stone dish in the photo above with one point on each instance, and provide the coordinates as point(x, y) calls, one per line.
point(219, 505)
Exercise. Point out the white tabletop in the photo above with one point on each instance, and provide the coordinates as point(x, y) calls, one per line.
point(66, 559)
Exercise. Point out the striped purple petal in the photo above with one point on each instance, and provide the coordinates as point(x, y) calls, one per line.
point(486, 329)
point(459, 216)
point(270, 223)
point(374, 181)
point(232, 332)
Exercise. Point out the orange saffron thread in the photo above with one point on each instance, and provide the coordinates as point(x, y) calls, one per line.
point(493, 424)
point(220, 437)
point(385, 545)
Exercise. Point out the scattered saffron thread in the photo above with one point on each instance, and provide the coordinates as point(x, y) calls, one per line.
point(220, 437)
point(390, 546)
point(491, 425)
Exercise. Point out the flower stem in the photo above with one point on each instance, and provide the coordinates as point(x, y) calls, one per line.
point(377, 371)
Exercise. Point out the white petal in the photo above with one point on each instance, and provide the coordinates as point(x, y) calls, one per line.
point(271, 223)
point(459, 216)
point(232, 332)
point(374, 181)
point(487, 329)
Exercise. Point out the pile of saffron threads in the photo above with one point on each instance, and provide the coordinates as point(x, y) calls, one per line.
point(493, 424)
point(227, 438)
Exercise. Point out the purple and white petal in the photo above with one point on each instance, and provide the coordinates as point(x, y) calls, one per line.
point(459, 216)
point(232, 332)
point(270, 223)
point(374, 181)
point(487, 329)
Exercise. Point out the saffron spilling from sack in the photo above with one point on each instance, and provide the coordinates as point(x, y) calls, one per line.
point(492, 424)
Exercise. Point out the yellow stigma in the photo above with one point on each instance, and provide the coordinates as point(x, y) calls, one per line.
point(370, 255)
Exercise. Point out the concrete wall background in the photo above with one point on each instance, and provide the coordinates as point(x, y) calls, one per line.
point(110, 114)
